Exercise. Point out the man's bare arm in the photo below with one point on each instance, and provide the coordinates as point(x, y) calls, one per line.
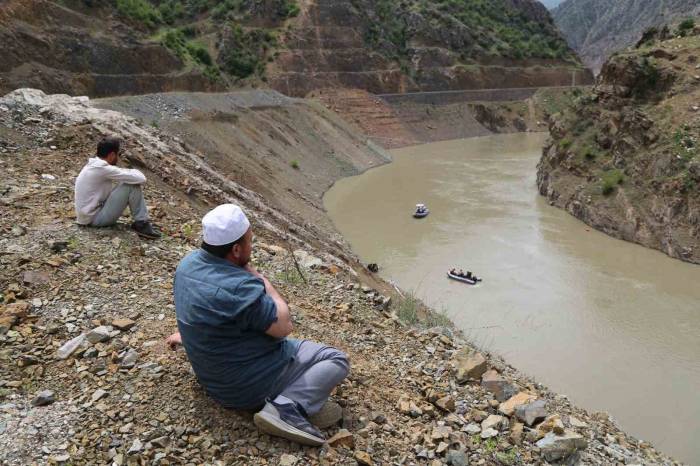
point(283, 326)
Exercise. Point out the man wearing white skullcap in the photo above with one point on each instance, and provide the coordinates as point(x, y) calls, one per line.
point(234, 327)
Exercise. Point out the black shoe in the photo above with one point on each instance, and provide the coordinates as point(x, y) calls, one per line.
point(287, 421)
point(145, 229)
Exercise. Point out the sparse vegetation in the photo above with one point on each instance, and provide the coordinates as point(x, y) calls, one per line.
point(140, 11)
point(294, 164)
point(407, 309)
point(500, 29)
point(565, 143)
point(685, 27)
point(648, 78)
point(609, 180)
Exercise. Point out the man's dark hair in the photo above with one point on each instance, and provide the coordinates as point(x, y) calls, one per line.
point(221, 251)
point(106, 146)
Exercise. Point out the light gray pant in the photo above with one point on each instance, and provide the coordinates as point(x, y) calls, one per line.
point(123, 195)
point(311, 375)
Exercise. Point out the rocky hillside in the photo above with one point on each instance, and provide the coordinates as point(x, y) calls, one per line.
point(120, 47)
point(624, 157)
point(85, 377)
point(598, 28)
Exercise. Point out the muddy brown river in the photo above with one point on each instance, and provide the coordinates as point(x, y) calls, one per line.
point(613, 325)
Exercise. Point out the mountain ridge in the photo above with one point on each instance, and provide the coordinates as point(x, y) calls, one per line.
point(598, 28)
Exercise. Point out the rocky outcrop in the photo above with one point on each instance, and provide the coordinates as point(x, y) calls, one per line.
point(624, 157)
point(598, 28)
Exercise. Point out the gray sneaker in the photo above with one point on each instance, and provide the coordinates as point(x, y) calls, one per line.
point(286, 421)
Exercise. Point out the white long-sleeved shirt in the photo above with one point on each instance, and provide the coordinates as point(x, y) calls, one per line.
point(95, 182)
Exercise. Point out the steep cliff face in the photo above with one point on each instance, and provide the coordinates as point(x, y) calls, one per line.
point(104, 47)
point(624, 157)
point(597, 28)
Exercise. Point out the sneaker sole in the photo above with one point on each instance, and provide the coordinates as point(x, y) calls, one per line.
point(275, 426)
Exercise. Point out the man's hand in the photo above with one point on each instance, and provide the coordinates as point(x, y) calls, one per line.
point(174, 340)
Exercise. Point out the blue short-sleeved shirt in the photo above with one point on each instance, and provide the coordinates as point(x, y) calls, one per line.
point(222, 314)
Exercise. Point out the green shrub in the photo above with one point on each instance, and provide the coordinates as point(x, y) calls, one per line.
point(199, 53)
point(171, 11)
point(243, 52)
point(175, 40)
point(590, 154)
point(565, 143)
point(289, 9)
point(609, 180)
point(294, 164)
point(648, 78)
point(141, 11)
point(685, 27)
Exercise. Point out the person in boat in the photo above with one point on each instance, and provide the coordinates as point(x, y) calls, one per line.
point(469, 275)
point(452, 271)
point(461, 273)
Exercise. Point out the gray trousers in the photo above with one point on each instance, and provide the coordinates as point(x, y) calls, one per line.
point(123, 195)
point(309, 378)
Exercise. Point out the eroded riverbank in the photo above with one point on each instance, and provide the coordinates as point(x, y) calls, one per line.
point(609, 323)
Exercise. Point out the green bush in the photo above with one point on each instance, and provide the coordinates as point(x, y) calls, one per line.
point(171, 11)
point(243, 53)
point(176, 41)
point(141, 11)
point(294, 164)
point(565, 143)
point(609, 180)
point(289, 9)
point(685, 27)
point(199, 53)
point(648, 78)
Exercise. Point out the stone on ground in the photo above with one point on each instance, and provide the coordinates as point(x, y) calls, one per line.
point(43, 398)
point(488, 433)
point(470, 366)
point(556, 448)
point(98, 334)
point(363, 458)
point(123, 324)
point(531, 413)
point(494, 421)
point(70, 346)
point(342, 439)
point(498, 385)
point(288, 460)
point(508, 407)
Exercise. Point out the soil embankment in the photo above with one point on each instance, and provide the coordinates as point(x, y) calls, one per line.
point(399, 120)
point(83, 313)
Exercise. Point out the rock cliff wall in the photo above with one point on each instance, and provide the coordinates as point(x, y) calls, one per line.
point(624, 157)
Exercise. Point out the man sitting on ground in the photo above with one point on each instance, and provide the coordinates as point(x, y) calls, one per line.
point(99, 203)
point(234, 327)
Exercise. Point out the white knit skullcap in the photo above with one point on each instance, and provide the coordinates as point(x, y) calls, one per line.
point(224, 225)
